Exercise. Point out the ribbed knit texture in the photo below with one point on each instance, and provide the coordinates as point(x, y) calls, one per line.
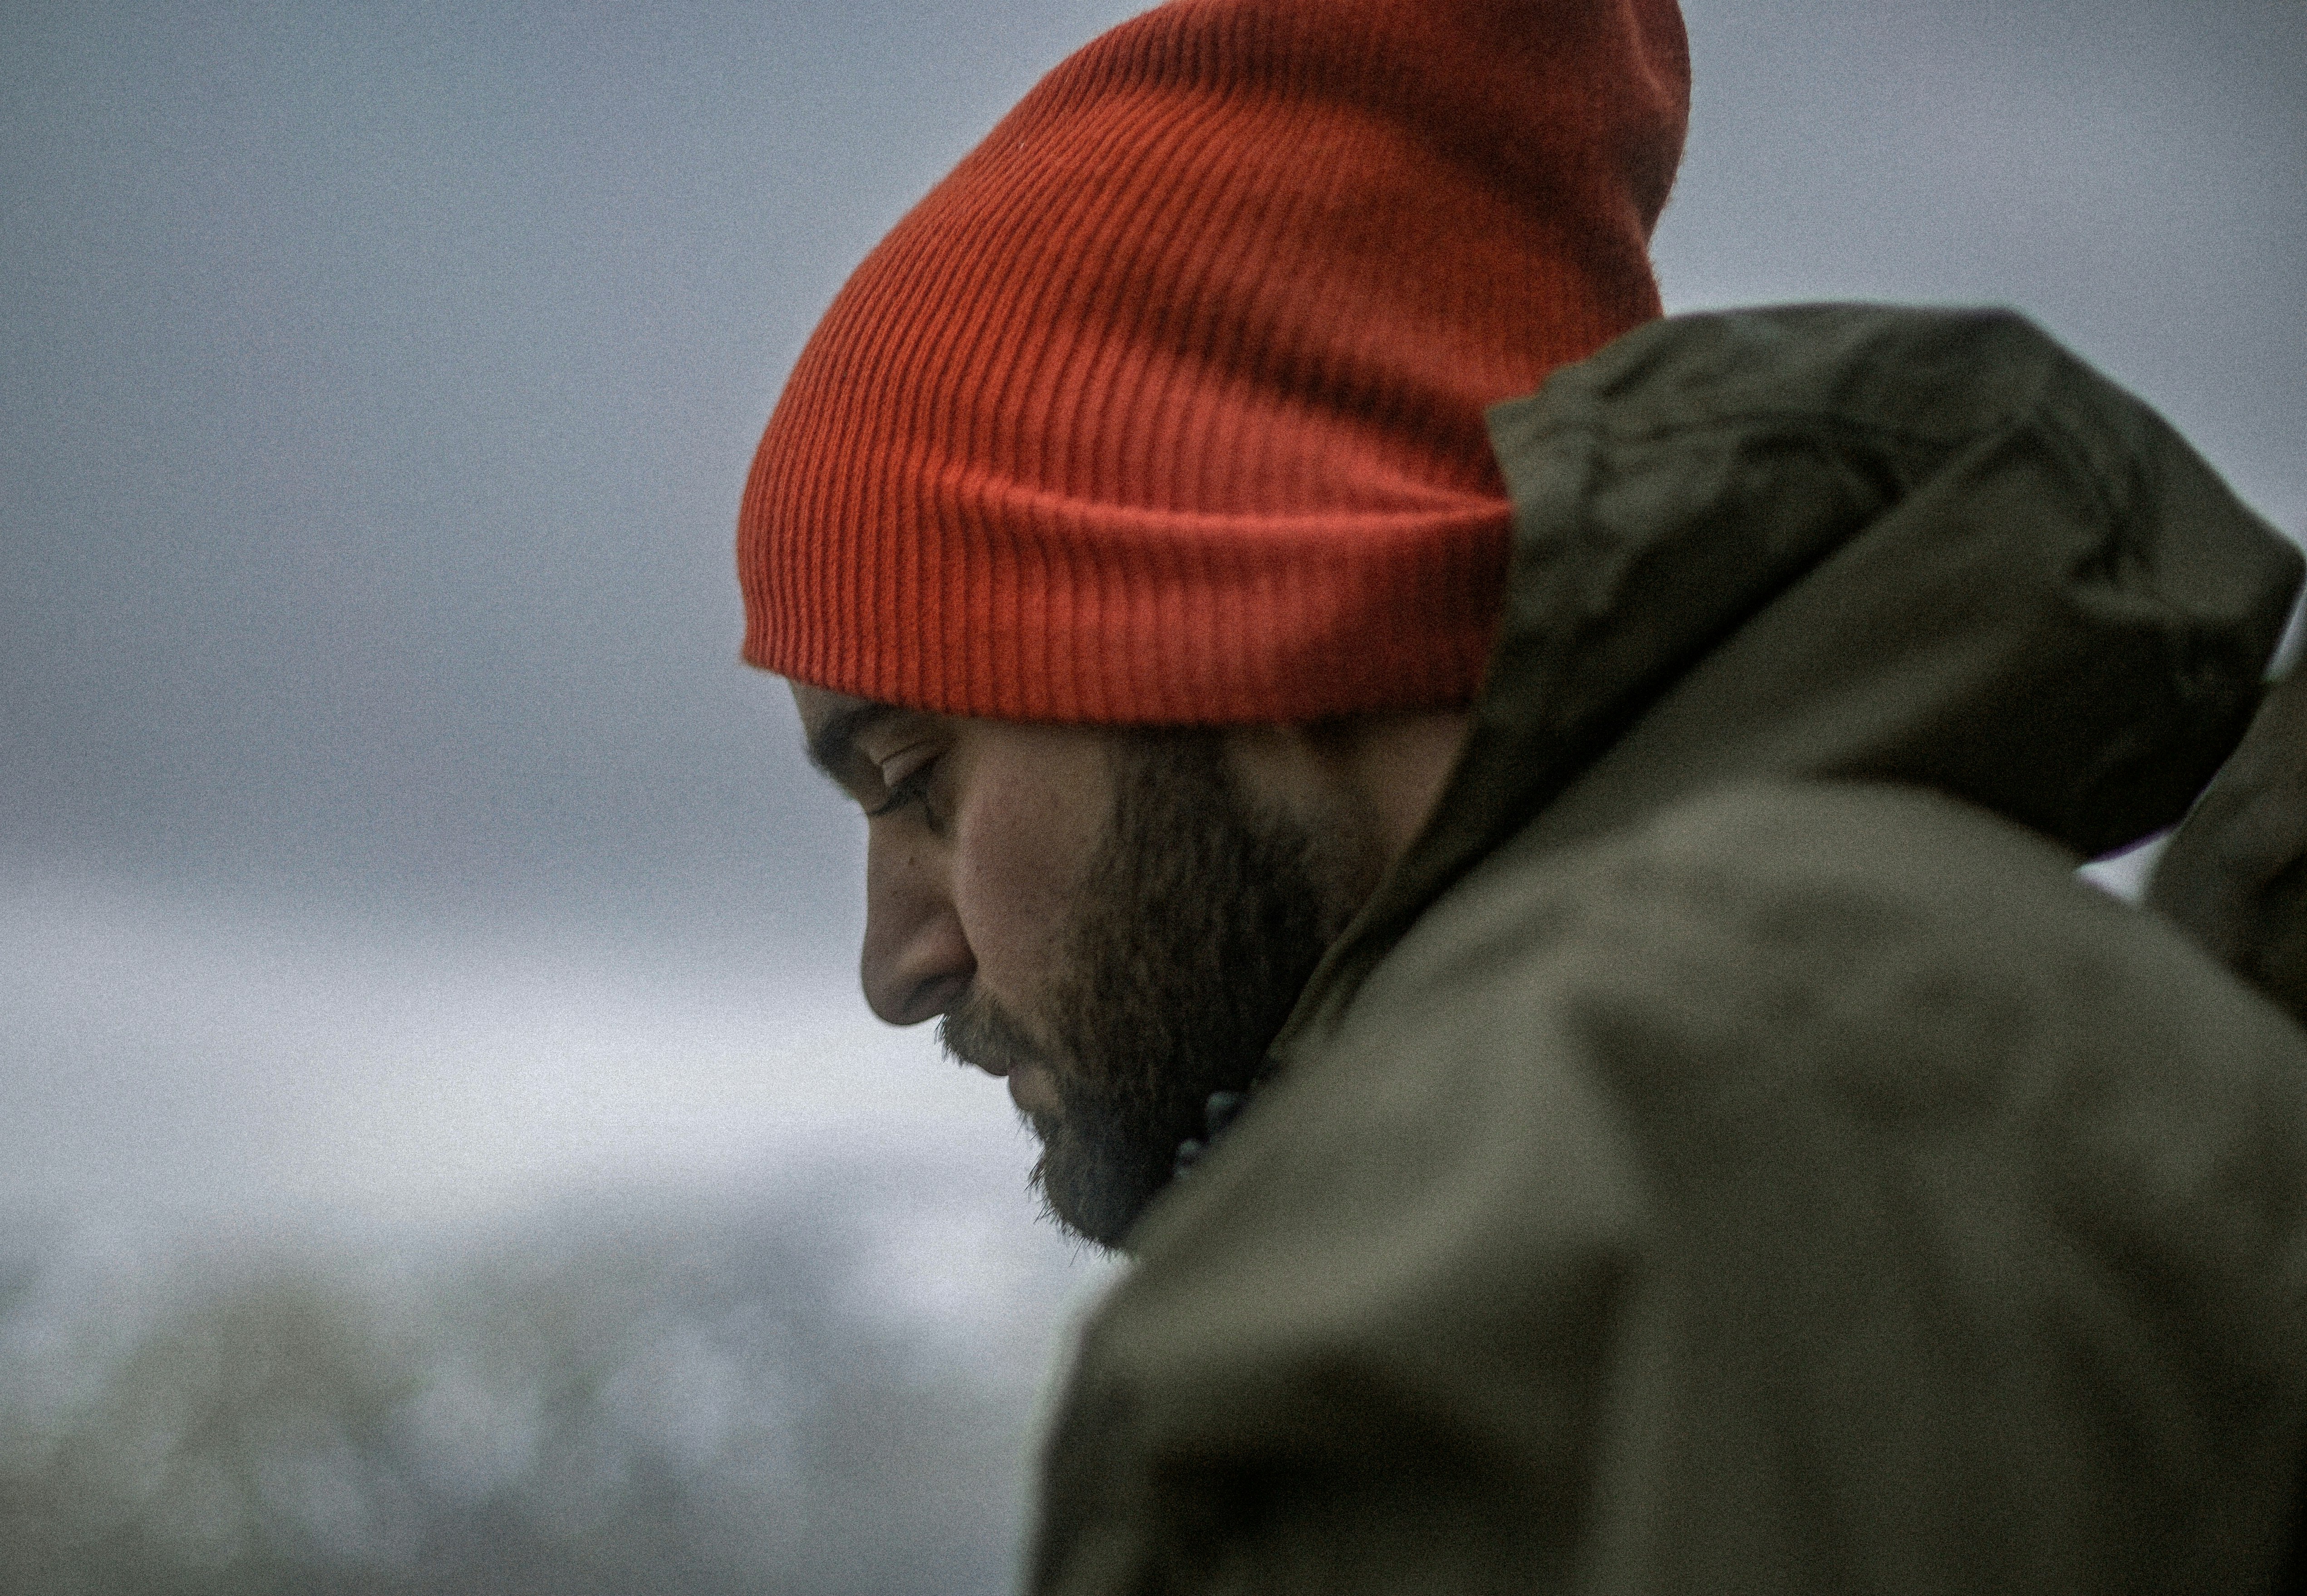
point(1166, 406)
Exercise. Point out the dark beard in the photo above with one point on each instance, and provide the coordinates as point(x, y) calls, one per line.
point(1201, 919)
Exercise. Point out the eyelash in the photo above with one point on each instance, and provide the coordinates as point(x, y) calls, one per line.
point(914, 789)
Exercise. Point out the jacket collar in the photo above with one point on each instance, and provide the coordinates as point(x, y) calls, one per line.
point(1843, 542)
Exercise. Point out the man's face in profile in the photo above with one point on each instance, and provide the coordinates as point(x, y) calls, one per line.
point(1103, 916)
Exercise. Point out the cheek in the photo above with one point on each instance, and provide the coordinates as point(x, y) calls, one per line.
point(1021, 850)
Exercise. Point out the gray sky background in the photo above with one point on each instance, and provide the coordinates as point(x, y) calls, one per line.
point(383, 814)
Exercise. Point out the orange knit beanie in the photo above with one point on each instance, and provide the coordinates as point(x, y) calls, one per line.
point(1166, 406)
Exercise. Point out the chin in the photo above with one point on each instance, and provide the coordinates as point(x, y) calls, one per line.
point(1085, 1189)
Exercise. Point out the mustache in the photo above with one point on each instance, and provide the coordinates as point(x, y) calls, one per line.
point(978, 1031)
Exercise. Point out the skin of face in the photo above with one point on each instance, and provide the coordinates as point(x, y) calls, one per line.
point(1115, 920)
point(978, 833)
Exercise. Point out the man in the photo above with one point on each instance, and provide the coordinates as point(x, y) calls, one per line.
point(1520, 856)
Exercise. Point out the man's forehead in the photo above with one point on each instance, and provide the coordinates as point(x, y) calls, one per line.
point(819, 704)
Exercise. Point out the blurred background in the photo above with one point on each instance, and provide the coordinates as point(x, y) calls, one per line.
point(445, 1150)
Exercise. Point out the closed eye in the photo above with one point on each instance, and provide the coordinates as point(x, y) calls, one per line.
point(913, 788)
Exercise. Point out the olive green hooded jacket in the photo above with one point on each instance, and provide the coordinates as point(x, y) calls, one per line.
point(1732, 1151)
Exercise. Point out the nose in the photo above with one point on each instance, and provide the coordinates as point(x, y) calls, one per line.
point(916, 961)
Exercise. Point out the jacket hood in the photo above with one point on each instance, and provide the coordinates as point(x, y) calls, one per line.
point(1839, 542)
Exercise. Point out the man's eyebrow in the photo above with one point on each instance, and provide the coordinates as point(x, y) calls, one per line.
point(833, 746)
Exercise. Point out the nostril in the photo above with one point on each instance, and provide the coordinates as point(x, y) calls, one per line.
point(931, 997)
point(898, 1000)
